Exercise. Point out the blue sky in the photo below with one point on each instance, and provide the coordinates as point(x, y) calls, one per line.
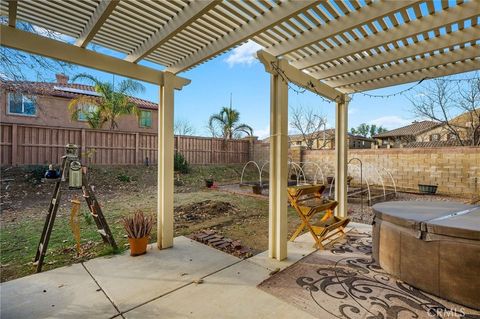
point(240, 74)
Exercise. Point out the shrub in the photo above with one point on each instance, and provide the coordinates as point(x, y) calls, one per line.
point(37, 172)
point(122, 177)
point(180, 164)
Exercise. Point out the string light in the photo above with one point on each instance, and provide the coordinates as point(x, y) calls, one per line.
point(383, 96)
point(312, 88)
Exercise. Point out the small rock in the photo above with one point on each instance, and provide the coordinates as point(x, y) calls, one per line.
point(198, 282)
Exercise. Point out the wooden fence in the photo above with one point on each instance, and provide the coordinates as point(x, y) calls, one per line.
point(33, 145)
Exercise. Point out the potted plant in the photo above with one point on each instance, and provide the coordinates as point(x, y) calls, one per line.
point(209, 182)
point(429, 189)
point(138, 227)
point(257, 189)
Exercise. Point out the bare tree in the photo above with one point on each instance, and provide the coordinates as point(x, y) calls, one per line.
point(440, 100)
point(183, 127)
point(213, 129)
point(17, 65)
point(470, 104)
point(311, 125)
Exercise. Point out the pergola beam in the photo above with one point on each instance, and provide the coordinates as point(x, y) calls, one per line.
point(409, 66)
point(298, 77)
point(419, 48)
point(12, 13)
point(435, 72)
point(280, 13)
point(459, 13)
point(177, 24)
point(35, 44)
point(99, 16)
point(340, 25)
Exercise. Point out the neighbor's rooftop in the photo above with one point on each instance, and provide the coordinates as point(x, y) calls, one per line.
point(410, 130)
point(65, 90)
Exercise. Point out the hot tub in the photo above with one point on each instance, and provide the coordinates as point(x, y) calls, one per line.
point(434, 246)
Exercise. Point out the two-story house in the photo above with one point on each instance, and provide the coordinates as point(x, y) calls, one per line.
point(463, 129)
point(46, 104)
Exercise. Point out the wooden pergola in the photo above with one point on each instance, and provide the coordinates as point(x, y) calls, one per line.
point(332, 48)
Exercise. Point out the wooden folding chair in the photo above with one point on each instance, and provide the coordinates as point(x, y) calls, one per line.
point(307, 201)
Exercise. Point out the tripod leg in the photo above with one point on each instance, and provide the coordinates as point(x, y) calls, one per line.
point(49, 221)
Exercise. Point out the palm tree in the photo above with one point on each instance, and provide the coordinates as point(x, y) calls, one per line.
point(227, 119)
point(108, 105)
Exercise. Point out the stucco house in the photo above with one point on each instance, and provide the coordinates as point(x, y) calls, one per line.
point(434, 134)
point(325, 139)
point(46, 104)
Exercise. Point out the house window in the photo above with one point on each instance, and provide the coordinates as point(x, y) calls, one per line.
point(84, 110)
point(299, 142)
point(145, 119)
point(435, 137)
point(20, 104)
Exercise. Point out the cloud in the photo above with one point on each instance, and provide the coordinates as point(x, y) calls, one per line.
point(262, 133)
point(244, 54)
point(390, 122)
point(352, 111)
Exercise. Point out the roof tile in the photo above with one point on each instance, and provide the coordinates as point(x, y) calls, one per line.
point(48, 89)
point(410, 130)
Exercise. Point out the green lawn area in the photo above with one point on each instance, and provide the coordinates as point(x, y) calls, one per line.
point(21, 229)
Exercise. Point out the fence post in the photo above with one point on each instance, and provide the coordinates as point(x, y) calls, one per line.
point(212, 153)
point(137, 147)
point(83, 146)
point(14, 145)
point(178, 144)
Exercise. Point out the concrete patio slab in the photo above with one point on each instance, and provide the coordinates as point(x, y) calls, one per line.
point(230, 293)
point(301, 247)
point(131, 281)
point(67, 292)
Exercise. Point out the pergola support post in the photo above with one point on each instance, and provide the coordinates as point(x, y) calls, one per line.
point(277, 235)
point(341, 155)
point(165, 162)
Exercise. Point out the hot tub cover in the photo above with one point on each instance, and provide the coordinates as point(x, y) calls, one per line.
point(414, 214)
point(464, 224)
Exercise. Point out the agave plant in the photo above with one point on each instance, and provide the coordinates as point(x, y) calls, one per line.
point(109, 105)
point(138, 225)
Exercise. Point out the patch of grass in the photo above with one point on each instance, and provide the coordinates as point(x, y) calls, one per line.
point(122, 177)
point(20, 230)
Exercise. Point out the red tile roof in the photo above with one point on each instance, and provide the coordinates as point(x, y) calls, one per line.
point(410, 130)
point(48, 89)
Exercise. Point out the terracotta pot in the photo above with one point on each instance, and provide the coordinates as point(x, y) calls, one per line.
point(138, 246)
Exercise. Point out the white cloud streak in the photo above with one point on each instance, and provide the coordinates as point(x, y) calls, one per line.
point(390, 122)
point(244, 54)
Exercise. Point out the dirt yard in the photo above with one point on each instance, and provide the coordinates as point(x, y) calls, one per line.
point(121, 191)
